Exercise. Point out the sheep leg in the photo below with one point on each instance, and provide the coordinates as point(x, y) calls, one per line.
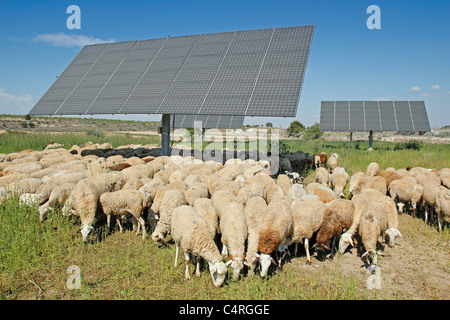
point(440, 218)
point(141, 222)
point(187, 259)
point(176, 255)
point(308, 257)
point(108, 221)
point(224, 251)
point(333, 246)
point(119, 224)
point(197, 268)
point(295, 249)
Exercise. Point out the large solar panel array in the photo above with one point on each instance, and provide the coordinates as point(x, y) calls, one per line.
point(354, 116)
point(254, 72)
point(207, 122)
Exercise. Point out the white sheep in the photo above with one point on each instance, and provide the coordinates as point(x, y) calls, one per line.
point(190, 232)
point(354, 182)
point(405, 191)
point(392, 214)
point(373, 169)
point(124, 202)
point(339, 179)
point(255, 213)
point(233, 228)
point(307, 217)
point(325, 194)
point(430, 189)
point(360, 201)
point(221, 198)
point(322, 176)
point(29, 199)
point(275, 232)
point(332, 161)
point(205, 208)
point(171, 200)
point(19, 187)
point(83, 202)
point(59, 196)
point(373, 224)
point(296, 191)
point(442, 205)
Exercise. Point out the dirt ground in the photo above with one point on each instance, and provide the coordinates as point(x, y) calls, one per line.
point(418, 267)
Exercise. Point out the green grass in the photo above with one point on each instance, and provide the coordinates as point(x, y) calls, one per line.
point(16, 141)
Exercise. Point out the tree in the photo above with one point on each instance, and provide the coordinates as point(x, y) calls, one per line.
point(295, 127)
point(313, 132)
point(269, 125)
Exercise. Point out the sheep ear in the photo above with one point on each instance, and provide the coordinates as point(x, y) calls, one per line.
point(398, 233)
point(247, 264)
point(228, 263)
point(273, 261)
point(351, 241)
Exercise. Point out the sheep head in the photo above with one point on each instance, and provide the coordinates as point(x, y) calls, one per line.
point(390, 235)
point(86, 231)
point(237, 265)
point(218, 272)
point(346, 240)
point(265, 260)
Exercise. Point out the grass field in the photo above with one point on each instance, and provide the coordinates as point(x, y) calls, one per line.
point(34, 256)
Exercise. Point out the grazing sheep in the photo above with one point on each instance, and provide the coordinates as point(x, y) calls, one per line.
point(405, 191)
point(338, 217)
point(196, 191)
point(171, 200)
point(360, 201)
point(322, 176)
point(252, 187)
point(373, 224)
point(389, 176)
point(284, 182)
point(296, 191)
point(190, 232)
point(17, 188)
point(442, 205)
point(233, 228)
point(307, 216)
point(355, 181)
point(377, 183)
point(392, 214)
point(275, 232)
point(332, 162)
point(29, 199)
point(59, 195)
point(221, 198)
point(430, 190)
point(325, 194)
point(124, 202)
point(319, 159)
point(205, 208)
point(83, 202)
point(373, 169)
point(109, 182)
point(339, 179)
point(47, 187)
point(255, 213)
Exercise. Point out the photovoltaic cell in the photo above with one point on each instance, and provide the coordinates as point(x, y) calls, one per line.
point(253, 72)
point(363, 116)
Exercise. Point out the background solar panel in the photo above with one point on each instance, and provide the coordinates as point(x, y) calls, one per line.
point(207, 121)
point(354, 116)
point(254, 72)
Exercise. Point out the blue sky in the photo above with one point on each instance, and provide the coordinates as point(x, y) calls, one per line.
point(407, 59)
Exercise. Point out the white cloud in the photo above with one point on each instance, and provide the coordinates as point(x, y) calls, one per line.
point(435, 87)
point(425, 94)
point(415, 88)
point(67, 40)
point(11, 104)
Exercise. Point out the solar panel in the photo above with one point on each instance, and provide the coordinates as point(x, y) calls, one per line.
point(363, 116)
point(252, 72)
point(207, 121)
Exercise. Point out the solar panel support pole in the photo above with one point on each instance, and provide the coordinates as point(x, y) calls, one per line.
point(351, 136)
point(370, 139)
point(165, 135)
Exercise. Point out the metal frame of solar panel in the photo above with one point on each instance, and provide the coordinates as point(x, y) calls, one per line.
point(207, 122)
point(376, 116)
point(253, 72)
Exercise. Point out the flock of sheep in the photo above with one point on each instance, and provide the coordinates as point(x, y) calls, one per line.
point(237, 206)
